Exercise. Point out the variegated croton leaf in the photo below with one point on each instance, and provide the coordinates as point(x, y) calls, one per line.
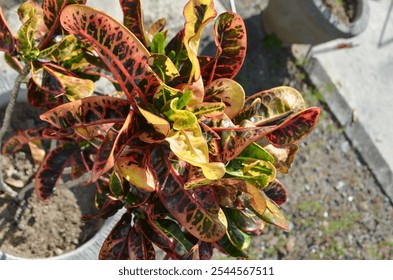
point(51, 169)
point(88, 111)
point(190, 213)
point(133, 18)
point(231, 41)
point(118, 47)
point(7, 41)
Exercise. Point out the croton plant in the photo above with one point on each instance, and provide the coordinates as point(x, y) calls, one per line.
point(175, 144)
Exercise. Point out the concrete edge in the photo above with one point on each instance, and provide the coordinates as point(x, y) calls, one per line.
point(353, 128)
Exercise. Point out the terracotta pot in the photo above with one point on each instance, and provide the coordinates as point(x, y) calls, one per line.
point(310, 21)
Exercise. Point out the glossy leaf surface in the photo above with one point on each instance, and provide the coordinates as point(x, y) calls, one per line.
point(118, 47)
point(89, 111)
point(229, 92)
point(180, 203)
point(296, 128)
point(231, 41)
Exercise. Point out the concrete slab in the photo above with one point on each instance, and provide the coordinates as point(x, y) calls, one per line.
point(358, 84)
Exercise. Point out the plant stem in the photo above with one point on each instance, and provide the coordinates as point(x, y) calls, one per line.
point(6, 123)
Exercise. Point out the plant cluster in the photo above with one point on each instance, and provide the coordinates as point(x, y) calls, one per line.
point(176, 144)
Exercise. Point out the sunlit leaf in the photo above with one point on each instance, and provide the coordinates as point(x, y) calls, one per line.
point(134, 167)
point(117, 46)
point(295, 128)
point(88, 111)
point(163, 66)
point(227, 91)
point(276, 102)
point(231, 41)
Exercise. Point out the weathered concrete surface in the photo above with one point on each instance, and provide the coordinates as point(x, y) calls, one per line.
point(357, 83)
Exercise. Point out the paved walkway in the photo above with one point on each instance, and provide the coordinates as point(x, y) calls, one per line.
point(362, 96)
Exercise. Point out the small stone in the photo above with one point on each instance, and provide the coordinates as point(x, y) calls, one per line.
point(290, 244)
point(58, 251)
point(325, 214)
point(339, 185)
point(350, 198)
point(307, 187)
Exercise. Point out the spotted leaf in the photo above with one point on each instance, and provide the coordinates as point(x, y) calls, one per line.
point(295, 128)
point(227, 91)
point(155, 28)
point(275, 102)
point(139, 247)
point(115, 245)
point(88, 111)
point(16, 142)
point(135, 167)
point(198, 13)
point(181, 204)
point(276, 192)
point(133, 18)
point(231, 41)
point(118, 47)
point(51, 170)
point(164, 67)
point(7, 41)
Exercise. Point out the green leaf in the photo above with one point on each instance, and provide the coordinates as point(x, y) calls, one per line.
point(116, 185)
point(158, 44)
point(226, 245)
point(257, 152)
point(172, 229)
point(62, 50)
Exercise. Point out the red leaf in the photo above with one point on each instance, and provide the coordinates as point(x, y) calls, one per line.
point(133, 18)
point(276, 192)
point(231, 41)
point(118, 47)
point(189, 212)
point(7, 41)
point(51, 170)
point(16, 142)
point(115, 245)
point(88, 111)
point(295, 128)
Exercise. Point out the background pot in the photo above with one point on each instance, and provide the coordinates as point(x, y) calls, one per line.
point(310, 21)
point(90, 249)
